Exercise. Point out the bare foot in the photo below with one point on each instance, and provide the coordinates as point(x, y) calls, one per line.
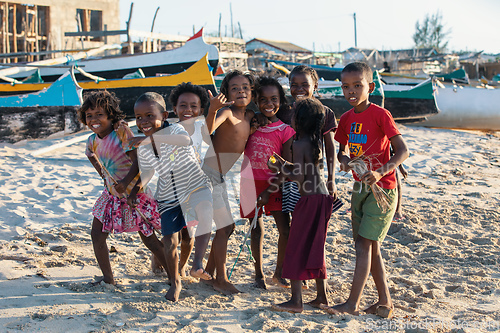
point(283, 283)
point(340, 309)
point(260, 283)
point(156, 267)
point(225, 287)
point(288, 307)
point(317, 303)
point(174, 291)
point(200, 273)
point(102, 279)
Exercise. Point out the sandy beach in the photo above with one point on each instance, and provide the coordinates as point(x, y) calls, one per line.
point(442, 260)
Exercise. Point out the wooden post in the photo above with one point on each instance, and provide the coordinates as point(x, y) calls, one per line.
point(37, 38)
point(5, 33)
point(7, 29)
point(129, 40)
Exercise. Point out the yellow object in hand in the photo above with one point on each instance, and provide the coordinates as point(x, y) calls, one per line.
point(272, 159)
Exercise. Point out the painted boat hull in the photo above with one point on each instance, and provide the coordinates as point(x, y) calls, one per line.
point(128, 90)
point(41, 113)
point(115, 67)
point(466, 108)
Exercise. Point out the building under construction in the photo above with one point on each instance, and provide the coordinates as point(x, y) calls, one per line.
point(34, 30)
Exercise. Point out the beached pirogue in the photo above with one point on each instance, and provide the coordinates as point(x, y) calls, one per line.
point(26, 121)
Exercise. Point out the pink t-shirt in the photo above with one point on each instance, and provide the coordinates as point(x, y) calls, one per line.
point(260, 147)
point(368, 133)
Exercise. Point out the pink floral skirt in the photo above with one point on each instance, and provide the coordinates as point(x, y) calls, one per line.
point(116, 215)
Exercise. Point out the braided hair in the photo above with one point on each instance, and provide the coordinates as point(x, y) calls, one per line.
point(309, 119)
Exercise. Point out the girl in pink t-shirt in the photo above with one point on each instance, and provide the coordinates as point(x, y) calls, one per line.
point(258, 183)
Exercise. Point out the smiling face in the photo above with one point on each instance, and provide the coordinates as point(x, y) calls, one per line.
point(188, 106)
point(149, 118)
point(302, 86)
point(239, 91)
point(269, 102)
point(356, 89)
point(98, 121)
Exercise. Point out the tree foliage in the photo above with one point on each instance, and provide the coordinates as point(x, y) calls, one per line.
point(431, 33)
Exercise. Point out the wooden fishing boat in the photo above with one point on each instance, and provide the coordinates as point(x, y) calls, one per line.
point(42, 113)
point(116, 67)
point(466, 107)
point(128, 90)
point(406, 103)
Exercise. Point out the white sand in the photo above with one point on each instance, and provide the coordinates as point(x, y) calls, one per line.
point(442, 261)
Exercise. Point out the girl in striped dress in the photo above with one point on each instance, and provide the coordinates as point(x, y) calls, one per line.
point(182, 185)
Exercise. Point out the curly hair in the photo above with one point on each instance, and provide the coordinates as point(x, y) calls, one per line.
point(359, 67)
point(303, 69)
point(267, 81)
point(224, 87)
point(101, 99)
point(153, 97)
point(188, 87)
point(309, 119)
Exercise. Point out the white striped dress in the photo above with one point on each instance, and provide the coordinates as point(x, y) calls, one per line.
point(179, 173)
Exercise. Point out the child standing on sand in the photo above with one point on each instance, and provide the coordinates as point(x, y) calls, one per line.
point(117, 165)
point(188, 102)
point(305, 252)
point(257, 178)
point(368, 131)
point(182, 185)
point(229, 123)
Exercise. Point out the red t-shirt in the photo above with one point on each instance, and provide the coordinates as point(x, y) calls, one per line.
point(368, 133)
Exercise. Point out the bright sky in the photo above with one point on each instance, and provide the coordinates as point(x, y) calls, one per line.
point(325, 25)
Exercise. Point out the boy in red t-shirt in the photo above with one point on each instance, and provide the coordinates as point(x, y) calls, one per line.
point(368, 130)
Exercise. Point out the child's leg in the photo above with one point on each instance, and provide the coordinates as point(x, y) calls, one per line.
point(204, 214)
point(321, 298)
point(156, 247)
point(170, 243)
point(361, 272)
point(156, 266)
point(101, 251)
point(217, 259)
point(282, 220)
point(256, 239)
point(187, 244)
point(380, 279)
point(294, 305)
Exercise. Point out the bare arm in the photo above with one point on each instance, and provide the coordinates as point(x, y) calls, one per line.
point(401, 153)
point(122, 184)
point(330, 162)
point(344, 158)
point(214, 120)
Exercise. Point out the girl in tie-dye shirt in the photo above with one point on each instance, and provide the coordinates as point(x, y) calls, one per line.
point(108, 152)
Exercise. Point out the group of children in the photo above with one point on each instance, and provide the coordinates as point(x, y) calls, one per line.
point(281, 173)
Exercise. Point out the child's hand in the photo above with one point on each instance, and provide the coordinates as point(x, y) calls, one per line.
point(263, 199)
point(132, 200)
point(138, 141)
point(218, 102)
point(120, 187)
point(275, 162)
point(120, 123)
point(371, 177)
point(344, 163)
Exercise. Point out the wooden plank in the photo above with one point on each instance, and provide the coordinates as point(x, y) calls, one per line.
point(14, 28)
point(95, 33)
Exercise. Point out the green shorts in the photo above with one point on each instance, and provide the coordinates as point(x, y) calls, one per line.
point(368, 221)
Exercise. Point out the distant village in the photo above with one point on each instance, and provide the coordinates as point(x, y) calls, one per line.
point(51, 28)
